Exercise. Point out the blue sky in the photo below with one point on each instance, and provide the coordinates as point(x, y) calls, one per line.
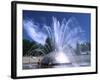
point(43, 17)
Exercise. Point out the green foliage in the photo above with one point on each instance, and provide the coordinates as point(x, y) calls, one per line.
point(78, 49)
point(83, 47)
point(50, 45)
point(34, 49)
point(26, 46)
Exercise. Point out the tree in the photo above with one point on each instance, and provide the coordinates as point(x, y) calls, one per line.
point(77, 48)
point(85, 47)
point(26, 46)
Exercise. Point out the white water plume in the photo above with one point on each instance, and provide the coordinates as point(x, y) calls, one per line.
point(63, 38)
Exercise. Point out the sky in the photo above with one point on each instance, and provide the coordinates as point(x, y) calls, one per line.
point(40, 18)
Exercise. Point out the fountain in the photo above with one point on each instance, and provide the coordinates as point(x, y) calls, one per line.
point(63, 37)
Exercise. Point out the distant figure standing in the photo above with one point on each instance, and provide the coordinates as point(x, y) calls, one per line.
point(39, 63)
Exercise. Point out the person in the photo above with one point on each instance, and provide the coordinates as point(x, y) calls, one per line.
point(39, 63)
